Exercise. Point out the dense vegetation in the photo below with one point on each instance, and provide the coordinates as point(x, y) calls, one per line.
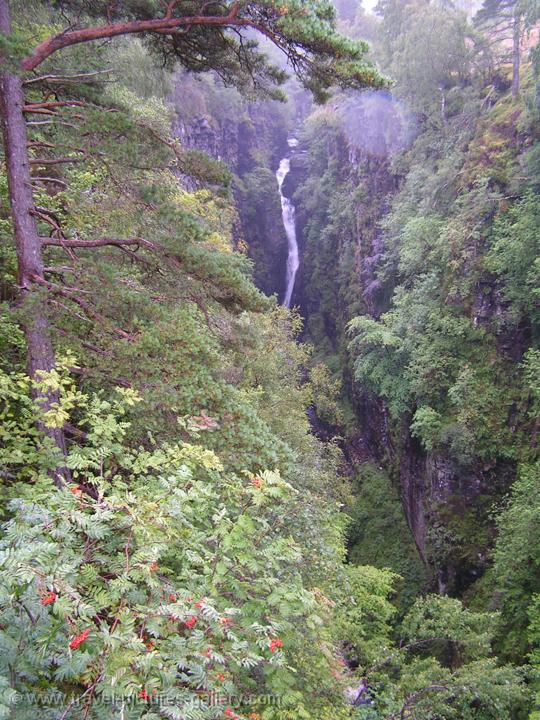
point(210, 508)
point(182, 548)
point(426, 203)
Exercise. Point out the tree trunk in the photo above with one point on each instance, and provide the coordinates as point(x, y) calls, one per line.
point(516, 55)
point(39, 350)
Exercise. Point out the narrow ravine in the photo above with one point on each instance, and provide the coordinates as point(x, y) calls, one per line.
point(288, 214)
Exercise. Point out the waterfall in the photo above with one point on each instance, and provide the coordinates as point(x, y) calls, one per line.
point(287, 211)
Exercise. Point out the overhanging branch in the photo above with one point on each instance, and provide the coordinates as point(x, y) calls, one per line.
point(99, 242)
point(74, 37)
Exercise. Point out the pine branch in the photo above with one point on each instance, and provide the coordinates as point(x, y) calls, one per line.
point(65, 78)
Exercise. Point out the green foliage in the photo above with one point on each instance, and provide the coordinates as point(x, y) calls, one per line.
point(426, 425)
point(531, 376)
point(261, 217)
point(305, 32)
point(170, 472)
point(198, 165)
point(366, 613)
point(441, 668)
point(432, 310)
point(428, 52)
point(380, 367)
point(174, 317)
point(514, 257)
point(182, 573)
point(431, 353)
point(138, 71)
point(445, 619)
point(325, 203)
point(200, 543)
point(326, 392)
point(517, 563)
point(379, 535)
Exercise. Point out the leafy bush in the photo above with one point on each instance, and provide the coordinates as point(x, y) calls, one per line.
point(153, 577)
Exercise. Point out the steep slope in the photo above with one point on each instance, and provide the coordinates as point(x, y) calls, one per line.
point(418, 278)
point(250, 138)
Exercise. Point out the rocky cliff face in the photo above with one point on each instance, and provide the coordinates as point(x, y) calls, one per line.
point(347, 176)
point(260, 148)
point(219, 139)
point(344, 188)
point(250, 140)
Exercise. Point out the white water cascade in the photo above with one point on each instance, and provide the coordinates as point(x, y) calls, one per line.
point(288, 212)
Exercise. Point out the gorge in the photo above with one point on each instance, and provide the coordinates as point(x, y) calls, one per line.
point(403, 303)
point(283, 461)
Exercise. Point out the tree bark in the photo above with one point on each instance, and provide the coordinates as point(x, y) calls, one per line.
point(516, 55)
point(40, 354)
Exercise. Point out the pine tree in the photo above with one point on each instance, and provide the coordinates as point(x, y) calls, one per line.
point(213, 36)
point(505, 20)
